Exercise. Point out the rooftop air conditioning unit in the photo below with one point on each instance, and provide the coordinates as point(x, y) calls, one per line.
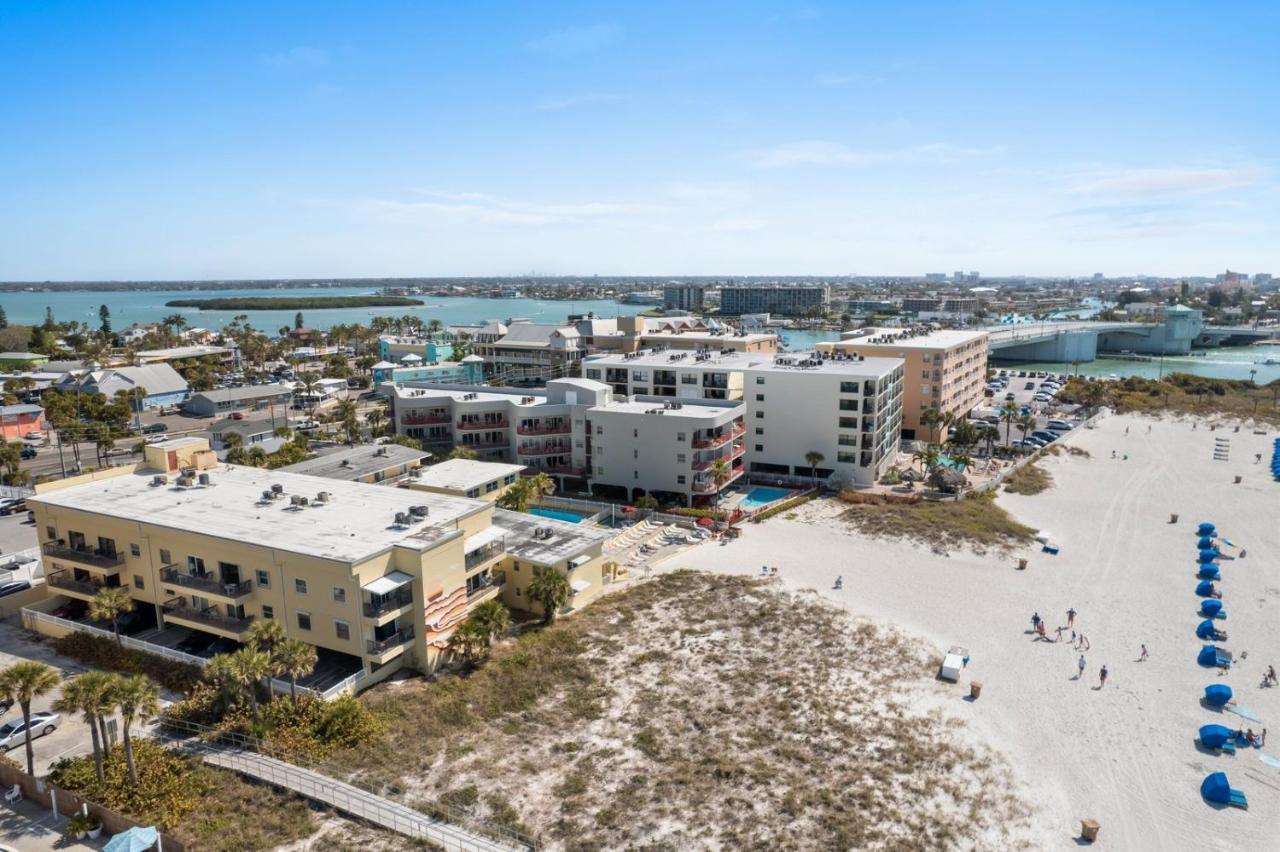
point(419, 511)
point(402, 519)
point(159, 480)
point(204, 479)
point(346, 463)
point(268, 496)
point(277, 488)
point(322, 497)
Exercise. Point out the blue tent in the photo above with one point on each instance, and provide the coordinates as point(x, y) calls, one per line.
point(136, 839)
point(1209, 555)
point(1205, 529)
point(1205, 588)
point(1212, 607)
point(1209, 572)
point(1216, 788)
point(1208, 656)
point(1206, 630)
point(1215, 736)
point(1217, 694)
point(1205, 542)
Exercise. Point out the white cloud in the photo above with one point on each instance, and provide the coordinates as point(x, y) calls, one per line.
point(298, 57)
point(733, 225)
point(476, 207)
point(1158, 182)
point(826, 153)
point(575, 41)
point(553, 103)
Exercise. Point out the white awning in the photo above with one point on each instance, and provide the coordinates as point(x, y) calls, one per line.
point(579, 560)
point(488, 535)
point(389, 583)
point(579, 586)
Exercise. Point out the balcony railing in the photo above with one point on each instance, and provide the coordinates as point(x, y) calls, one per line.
point(485, 445)
point(381, 646)
point(708, 486)
point(483, 424)
point(483, 554)
point(209, 616)
point(562, 471)
point(544, 449)
point(719, 440)
point(483, 584)
point(67, 581)
point(736, 452)
point(208, 583)
point(84, 556)
point(424, 419)
point(550, 429)
point(390, 603)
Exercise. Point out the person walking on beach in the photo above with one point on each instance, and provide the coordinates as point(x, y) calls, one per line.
point(1080, 665)
point(1102, 677)
point(1142, 657)
point(1071, 617)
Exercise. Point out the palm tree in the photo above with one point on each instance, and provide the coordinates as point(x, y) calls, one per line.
point(377, 420)
point(961, 462)
point(232, 440)
point(221, 671)
point(990, 435)
point(492, 617)
point(109, 604)
point(139, 699)
point(928, 457)
point(814, 458)
point(469, 640)
point(463, 453)
point(948, 419)
point(264, 634)
point(1026, 424)
point(518, 496)
point(346, 414)
point(309, 381)
point(434, 326)
point(541, 485)
point(75, 699)
point(294, 659)
point(1008, 412)
point(23, 682)
point(551, 589)
point(720, 473)
point(250, 667)
point(930, 418)
point(964, 434)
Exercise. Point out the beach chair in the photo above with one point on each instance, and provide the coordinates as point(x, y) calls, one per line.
point(13, 796)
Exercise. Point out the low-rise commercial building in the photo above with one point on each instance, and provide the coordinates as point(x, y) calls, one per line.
point(163, 385)
point(396, 348)
point(531, 351)
point(225, 400)
point(22, 360)
point(467, 478)
point(377, 578)
point(363, 463)
point(18, 420)
point(945, 369)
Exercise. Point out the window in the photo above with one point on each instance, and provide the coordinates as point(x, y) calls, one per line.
point(490, 486)
point(599, 430)
point(268, 612)
point(680, 437)
point(759, 415)
point(473, 492)
point(165, 557)
point(635, 433)
point(264, 580)
point(304, 620)
point(635, 474)
point(759, 448)
point(138, 582)
point(507, 480)
point(135, 550)
point(195, 565)
point(680, 458)
point(517, 591)
point(848, 387)
point(51, 533)
point(924, 374)
point(680, 479)
point(848, 405)
point(848, 423)
point(846, 458)
point(342, 630)
point(924, 390)
point(759, 430)
point(339, 594)
point(300, 585)
point(759, 397)
point(759, 380)
point(635, 454)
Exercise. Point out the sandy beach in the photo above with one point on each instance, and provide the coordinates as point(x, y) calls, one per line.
point(1124, 754)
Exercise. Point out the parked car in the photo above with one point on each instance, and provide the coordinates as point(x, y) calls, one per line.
point(222, 646)
point(236, 415)
point(1029, 444)
point(196, 643)
point(305, 425)
point(154, 428)
point(1042, 397)
point(993, 419)
point(34, 436)
point(1029, 386)
point(14, 734)
point(72, 610)
point(1059, 426)
point(989, 393)
point(28, 452)
point(1008, 397)
point(12, 588)
point(1044, 435)
point(12, 505)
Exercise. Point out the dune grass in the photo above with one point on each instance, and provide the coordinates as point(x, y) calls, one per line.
point(1028, 479)
point(975, 521)
point(675, 714)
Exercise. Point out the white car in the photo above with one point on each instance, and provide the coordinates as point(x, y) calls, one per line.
point(14, 734)
point(305, 425)
point(34, 436)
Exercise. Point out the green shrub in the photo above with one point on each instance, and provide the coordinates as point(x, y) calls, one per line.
point(685, 512)
point(781, 507)
point(103, 653)
point(170, 784)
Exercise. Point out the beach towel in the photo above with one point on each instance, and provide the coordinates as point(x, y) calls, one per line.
point(1244, 712)
point(1270, 760)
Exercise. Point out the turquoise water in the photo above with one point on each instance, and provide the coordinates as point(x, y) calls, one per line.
point(760, 495)
point(556, 514)
point(144, 306)
point(1234, 362)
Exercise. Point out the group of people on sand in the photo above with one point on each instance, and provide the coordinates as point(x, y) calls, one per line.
point(1249, 738)
point(1269, 677)
point(1079, 642)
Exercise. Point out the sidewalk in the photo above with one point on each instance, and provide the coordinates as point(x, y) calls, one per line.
point(27, 827)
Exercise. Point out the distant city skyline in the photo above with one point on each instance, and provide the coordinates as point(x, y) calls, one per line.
point(300, 140)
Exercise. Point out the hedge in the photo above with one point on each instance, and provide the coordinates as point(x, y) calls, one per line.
point(781, 507)
point(103, 653)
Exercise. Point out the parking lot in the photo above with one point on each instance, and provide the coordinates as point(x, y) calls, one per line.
point(72, 735)
point(1023, 398)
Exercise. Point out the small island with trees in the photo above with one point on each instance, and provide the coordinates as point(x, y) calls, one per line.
point(293, 303)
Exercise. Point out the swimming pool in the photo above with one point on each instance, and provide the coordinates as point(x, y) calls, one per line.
point(760, 495)
point(556, 514)
point(947, 461)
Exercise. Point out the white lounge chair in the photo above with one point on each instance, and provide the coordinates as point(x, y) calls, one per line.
point(13, 796)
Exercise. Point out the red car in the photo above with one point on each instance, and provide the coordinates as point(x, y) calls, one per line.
point(236, 415)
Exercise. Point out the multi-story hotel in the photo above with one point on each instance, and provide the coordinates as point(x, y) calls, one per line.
point(376, 578)
point(846, 408)
point(788, 301)
point(679, 374)
point(944, 369)
point(526, 350)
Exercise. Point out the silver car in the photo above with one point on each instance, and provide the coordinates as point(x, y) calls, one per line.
point(14, 734)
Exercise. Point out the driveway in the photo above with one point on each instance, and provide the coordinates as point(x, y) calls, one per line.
point(72, 736)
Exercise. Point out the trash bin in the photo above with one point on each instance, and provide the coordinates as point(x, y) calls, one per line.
point(975, 688)
point(1238, 480)
point(1022, 564)
point(1089, 829)
point(1173, 517)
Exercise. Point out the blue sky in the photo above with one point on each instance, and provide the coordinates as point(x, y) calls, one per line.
point(175, 140)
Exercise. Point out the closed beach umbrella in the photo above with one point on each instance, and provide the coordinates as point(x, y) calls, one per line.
point(1214, 736)
point(1208, 656)
point(1205, 529)
point(1211, 607)
point(1216, 788)
point(1217, 694)
point(1205, 629)
point(1204, 588)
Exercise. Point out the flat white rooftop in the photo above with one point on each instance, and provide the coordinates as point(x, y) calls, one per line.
point(679, 359)
point(566, 540)
point(910, 338)
point(355, 524)
point(464, 474)
point(813, 363)
point(688, 409)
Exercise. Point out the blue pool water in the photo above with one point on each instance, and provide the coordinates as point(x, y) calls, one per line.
point(556, 514)
point(760, 495)
point(947, 461)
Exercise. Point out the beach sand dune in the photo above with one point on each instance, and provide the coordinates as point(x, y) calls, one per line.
point(1124, 754)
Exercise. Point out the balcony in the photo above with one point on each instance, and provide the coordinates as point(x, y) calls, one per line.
point(424, 419)
point(560, 470)
point(545, 429)
point(481, 555)
point(735, 452)
point(65, 581)
point(708, 486)
point(544, 449)
point(208, 584)
point(376, 647)
point(209, 619)
point(720, 439)
point(483, 424)
point(393, 602)
point(87, 557)
point(486, 445)
point(481, 588)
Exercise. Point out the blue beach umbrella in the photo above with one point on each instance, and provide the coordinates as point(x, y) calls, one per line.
point(1209, 555)
point(1208, 656)
point(1214, 736)
point(136, 839)
point(1205, 542)
point(1209, 572)
point(1217, 694)
point(1205, 529)
point(1212, 607)
point(1216, 788)
point(1205, 588)
point(1205, 629)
